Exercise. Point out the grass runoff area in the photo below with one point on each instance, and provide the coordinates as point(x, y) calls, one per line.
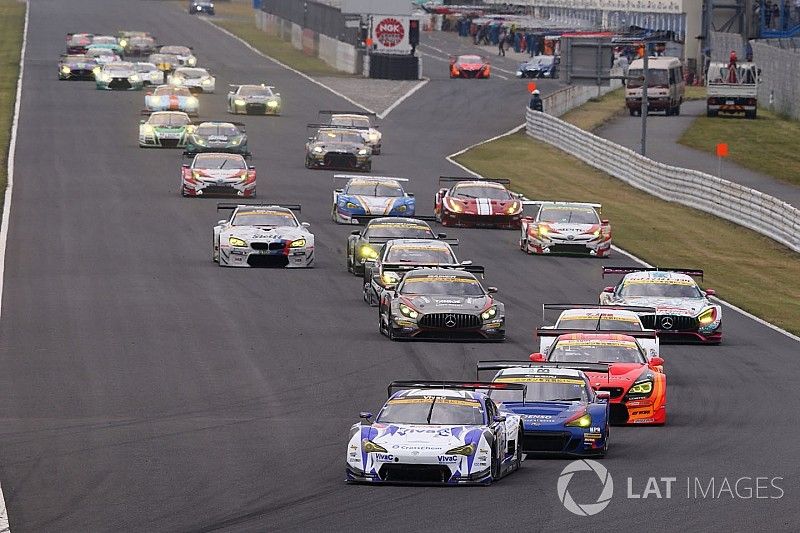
point(239, 19)
point(12, 23)
point(746, 268)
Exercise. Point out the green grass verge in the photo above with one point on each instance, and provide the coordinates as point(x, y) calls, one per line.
point(767, 144)
point(238, 18)
point(745, 268)
point(12, 23)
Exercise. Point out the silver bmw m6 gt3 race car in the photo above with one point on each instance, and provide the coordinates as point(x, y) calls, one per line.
point(264, 235)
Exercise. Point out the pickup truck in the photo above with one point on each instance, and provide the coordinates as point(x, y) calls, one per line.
point(732, 92)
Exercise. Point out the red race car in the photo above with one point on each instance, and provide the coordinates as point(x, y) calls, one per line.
point(218, 174)
point(469, 66)
point(615, 362)
point(475, 203)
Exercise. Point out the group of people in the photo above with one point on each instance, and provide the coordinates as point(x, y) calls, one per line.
point(779, 14)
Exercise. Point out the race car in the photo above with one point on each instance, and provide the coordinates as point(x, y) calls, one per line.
point(477, 204)
point(561, 414)
point(398, 256)
point(76, 67)
point(442, 304)
point(197, 7)
point(619, 365)
point(540, 66)
point(169, 98)
point(149, 73)
point(218, 174)
point(254, 100)
point(364, 244)
point(338, 149)
point(469, 66)
point(102, 56)
point(593, 317)
point(196, 79)
point(565, 228)
point(263, 236)
point(164, 62)
point(359, 121)
point(381, 196)
point(218, 137)
point(78, 43)
point(184, 54)
point(118, 76)
point(136, 43)
point(446, 432)
point(165, 129)
point(683, 310)
point(108, 42)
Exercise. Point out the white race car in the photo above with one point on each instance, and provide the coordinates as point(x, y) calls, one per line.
point(565, 228)
point(436, 432)
point(184, 54)
point(254, 100)
point(149, 73)
point(197, 80)
point(262, 235)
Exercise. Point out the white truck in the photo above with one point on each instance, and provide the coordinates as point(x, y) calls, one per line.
point(732, 88)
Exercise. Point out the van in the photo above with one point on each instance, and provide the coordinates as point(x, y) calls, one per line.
point(665, 87)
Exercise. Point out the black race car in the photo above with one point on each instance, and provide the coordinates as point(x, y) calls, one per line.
point(76, 67)
point(338, 148)
point(218, 137)
point(363, 244)
point(197, 7)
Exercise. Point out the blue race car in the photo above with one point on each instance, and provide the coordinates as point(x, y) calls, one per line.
point(371, 196)
point(561, 414)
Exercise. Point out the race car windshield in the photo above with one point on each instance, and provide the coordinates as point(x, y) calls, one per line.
point(264, 217)
point(480, 191)
point(175, 50)
point(542, 389)
point(162, 58)
point(655, 77)
point(118, 67)
point(255, 91)
point(595, 351)
point(541, 61)
point(228, 130)
point(366, 188)
point(104, 40)
point(358, 122)
point(192, 73)
point(392, 230)
point(470, 59)
point(606, 322)
point(169, 119)
point(219, 162)
point(74, 59)
point(569, 215)
point(144, 67)
point(432, 410)
point(441, 286)
point(97, 52)
point(656, 289)
point(142, 41)
point(420, 254)
point(166, 90)
point(350, 137)
point(80, 39)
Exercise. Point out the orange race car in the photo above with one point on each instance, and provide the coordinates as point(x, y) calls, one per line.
point(469, 66)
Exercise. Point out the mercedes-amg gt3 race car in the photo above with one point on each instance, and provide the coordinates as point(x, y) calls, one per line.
point(262, 235)
point(254, 100)
point(684, 312)
point(196, 79)
point(619, 365)
point(165, 129)
point(477, 203)
point(470, 66)
point(372, 196)
point(363, 244)
point(441, 303)
point(436, 432)
point(118, 76)
point(561, 413)
point(218, 137)
point(169, 98)
point(76, 67)
point(540, 66)
point(183, 54)
point(565, 228)
point(338, 149)
point(149, 73)
point(360, 121)
point(218, 174)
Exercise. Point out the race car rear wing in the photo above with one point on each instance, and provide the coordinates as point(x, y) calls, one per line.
point(190, 155)
point(457, 385)
point(451, 179)
point(598, 207)
point(694, 272)
point(405, 267)
point(227, 206)
point(332, 112)
point(599, 307)
point(319, 126)
point(366, 178)
point(486, 366)
point(551, 332)
point(363, 219)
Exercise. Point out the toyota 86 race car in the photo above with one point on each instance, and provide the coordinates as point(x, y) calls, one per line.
point(218, 137)
point(184, 54)
point(218, 174)
point(263, 236)
point(363, 245)
point(149, 73)
point(254, 100)
point(118, 76)
point(196, 79)
point(102, 56)
point(565, 228)
point(441, 304)
point(371, 196)
point(477, 204)
point(360, 121)
point(469, 66)
point(445, 432)
point(76, 67)
point(164, 62)
point(683, 310)
point(78, 43)
point(561, 413)
point(165, 129)
point(137, 43)
point(169, 98)
point(338, 149)
point(615, 362)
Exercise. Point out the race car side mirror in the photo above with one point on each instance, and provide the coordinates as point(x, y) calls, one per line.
point(604, 221)
point(656, 361)
point(141, 121)
point(251, 167)
point(311, 138)
point(365, 415)
point(609, 289)
point(305, 224)
point(221, 222)
point(710, 292)
point(442, 235)
point(499, 418)
point(355, 232)
point(603, 395)
point(148, 93)
point(537, 357)
point(527, 217)
point(466, 263)
point(185, 165)
point(491, 290)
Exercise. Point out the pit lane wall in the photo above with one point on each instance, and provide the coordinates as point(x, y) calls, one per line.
point(741, 205)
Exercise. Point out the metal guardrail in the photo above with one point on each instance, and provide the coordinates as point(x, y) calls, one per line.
point(741, 205)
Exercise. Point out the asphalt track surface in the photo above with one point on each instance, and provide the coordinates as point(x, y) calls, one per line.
point(146, 389)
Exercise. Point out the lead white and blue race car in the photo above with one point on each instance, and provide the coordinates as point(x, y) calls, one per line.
point(436, 432)
point(371, 196)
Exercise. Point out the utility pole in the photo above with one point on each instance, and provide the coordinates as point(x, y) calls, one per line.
point(643, 109)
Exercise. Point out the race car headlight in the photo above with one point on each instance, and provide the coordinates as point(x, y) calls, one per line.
point(272, 103)
point(466, 449)
point(371, 447)
point(239, 101)
point(543, 230)
point(368, 252)
point(206, 81)
point(318, 149)
point(363, 151)
point(196, 174)
point(402, 208)
point(708, 316)
point(235, 141)
point(200, 141)
point(407, 311)
point(298, 243)
point(191, 101)
point(65, 69)
point(373, 136)
point(596, 232)
point(454, 205)
point(96, 70)
point(513, 208)
point(148, 129)
point(192, 61)
point(134, 77)
point(641, 387)
point(175, 81)
point(489, 313)
point(123, 43)
point(234, 241)
point(389, 278)
point(583, 421)
point(351, 205)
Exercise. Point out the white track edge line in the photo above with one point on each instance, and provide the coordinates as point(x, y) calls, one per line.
point(450, 158)
point(403, 98)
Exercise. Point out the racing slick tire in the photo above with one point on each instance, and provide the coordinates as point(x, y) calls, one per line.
point(376, 151)
point(495, 467)
point(214, 250)
point(368, 167)
point(308, 163)
point(632, 112)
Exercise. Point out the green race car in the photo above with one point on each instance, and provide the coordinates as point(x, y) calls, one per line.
point(218, 137)
point(109, 42)
point(165, 129)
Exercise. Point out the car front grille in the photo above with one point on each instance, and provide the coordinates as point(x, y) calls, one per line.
point(618, 413)
point(450, 321)
point(119, 83)
point(258, 260)
point(679, 323)
point(256, 108)
point(544, 441)
point(170, 143)
point(340, 160)
point(569, 249)
point(418, 473)
point(267, 245)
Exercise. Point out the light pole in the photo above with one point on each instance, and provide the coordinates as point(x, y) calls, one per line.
point(643, 109)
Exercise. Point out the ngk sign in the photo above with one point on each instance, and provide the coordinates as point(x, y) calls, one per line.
point(390, 34)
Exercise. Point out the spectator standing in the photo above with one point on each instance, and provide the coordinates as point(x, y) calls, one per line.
point(536, 101)
point(501, 46)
